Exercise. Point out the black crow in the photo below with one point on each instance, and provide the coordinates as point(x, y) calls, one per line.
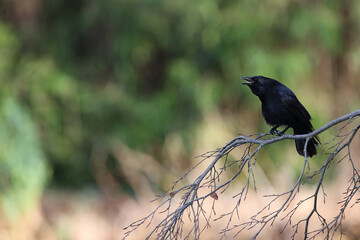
point(280, 107)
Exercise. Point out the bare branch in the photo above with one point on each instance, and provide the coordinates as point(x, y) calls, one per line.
point(191, 211)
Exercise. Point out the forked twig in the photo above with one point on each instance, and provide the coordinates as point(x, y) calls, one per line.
point(190, 208)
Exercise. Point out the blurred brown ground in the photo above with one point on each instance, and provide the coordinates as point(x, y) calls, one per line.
point(90, 214)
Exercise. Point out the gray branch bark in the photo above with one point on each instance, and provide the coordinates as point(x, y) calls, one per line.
point(172, 225)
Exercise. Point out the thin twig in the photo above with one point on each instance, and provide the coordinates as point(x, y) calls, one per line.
point(173, 219)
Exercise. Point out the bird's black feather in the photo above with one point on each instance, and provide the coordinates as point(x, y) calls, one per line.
point(280, 107)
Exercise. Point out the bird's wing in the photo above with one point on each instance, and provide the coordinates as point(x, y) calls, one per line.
point(294, 106)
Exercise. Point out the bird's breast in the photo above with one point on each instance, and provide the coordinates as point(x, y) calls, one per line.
point(275, 113)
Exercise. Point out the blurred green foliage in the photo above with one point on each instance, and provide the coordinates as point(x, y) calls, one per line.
point(22, 161)
point(137, 71)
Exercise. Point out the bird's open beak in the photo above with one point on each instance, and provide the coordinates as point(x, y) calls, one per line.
point(248, 79)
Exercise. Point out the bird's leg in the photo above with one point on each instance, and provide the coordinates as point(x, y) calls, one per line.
point(283, 131)
point(274, 131)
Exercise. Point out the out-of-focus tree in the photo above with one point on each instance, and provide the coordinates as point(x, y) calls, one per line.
point(139, 71)
point(23, 170)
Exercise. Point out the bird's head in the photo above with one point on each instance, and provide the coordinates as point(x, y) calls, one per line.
point(258, 84)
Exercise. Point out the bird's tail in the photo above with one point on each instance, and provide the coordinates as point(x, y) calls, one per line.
point(300, 143)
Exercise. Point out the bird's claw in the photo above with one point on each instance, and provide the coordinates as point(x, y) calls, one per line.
point(276, 132)
point(279, 133)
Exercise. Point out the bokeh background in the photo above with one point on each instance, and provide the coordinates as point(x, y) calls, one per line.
point(103, 104)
